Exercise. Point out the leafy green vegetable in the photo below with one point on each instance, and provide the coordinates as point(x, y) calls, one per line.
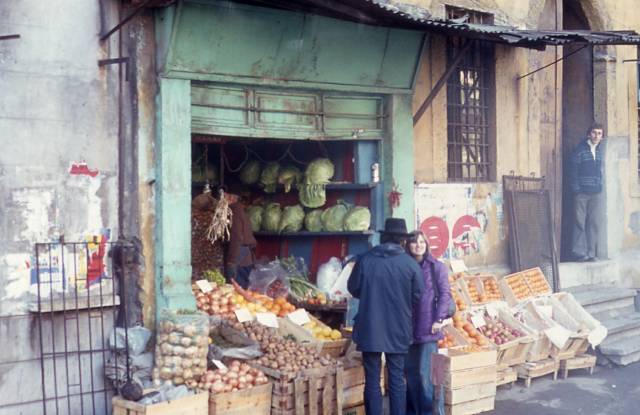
point(269, 177)
point(357, 219)
point(254, 213)
point(289, 176)
point(313, 221)
point(291, 219)
point(319, 171)
point(250, 173)
point(312, 195)
point(333, 218)
point(271, 217)
point(215, 276)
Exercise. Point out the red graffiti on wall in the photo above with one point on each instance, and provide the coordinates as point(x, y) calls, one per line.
point(81, 168)
point(437, 233)
point(463, 235)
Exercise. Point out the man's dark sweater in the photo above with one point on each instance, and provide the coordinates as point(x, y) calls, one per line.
point(586, 173)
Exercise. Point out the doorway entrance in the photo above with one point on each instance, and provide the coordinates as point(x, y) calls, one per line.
point(577, 111)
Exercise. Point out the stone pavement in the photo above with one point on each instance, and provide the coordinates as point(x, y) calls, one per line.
point(609, 391)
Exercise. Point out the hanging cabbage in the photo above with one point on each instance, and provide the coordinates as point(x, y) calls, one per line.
point(204, 173)
point(313, 221)
point(311, 190)
point(289, 176)
point(291, 219)
point(254, 213)
point(357, 219)
point(250, 172)
point(271, 217)
point(333, 218)
point(269, 177)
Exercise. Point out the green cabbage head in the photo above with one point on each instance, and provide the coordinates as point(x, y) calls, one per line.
point(313, 221)
point(289, 176)
point(291, 219)
point(333, 218)
point(254, 213)
point(357, 219)
point(319, 171)
point(269, 177)
point(271, 217)
point(250, 173)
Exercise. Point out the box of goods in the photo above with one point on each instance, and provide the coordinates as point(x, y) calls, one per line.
point(353, 386)
point(312, 391)
point(456, 292)
point(536, 281)
point(468, 380)
point(596, 332)
point(515, 289)
point(467, 332)
point(507, 375)
point(237, 389)
point(511, 340)
point(542, 346)
point(197, 404)
point(480, 289)
point(182, 347)
point(330, 341)
point(569, 328)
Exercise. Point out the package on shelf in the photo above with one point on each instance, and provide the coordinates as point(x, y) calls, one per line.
point(597, 332)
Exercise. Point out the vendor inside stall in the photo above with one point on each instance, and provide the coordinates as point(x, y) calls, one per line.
point(240, 255)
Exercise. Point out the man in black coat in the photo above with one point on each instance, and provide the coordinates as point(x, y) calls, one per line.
point(388, 283)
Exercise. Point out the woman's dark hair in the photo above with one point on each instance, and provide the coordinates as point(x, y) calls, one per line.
point(413, 238)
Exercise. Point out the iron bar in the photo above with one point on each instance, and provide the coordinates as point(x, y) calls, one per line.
point(441, 82)
point(44, 388)
point(53, 331)
point(113, 61)
point(9, 37)
point(64, 323)
point(124, 21)
point(93, 401)
point(552, 63)
point(75, 270)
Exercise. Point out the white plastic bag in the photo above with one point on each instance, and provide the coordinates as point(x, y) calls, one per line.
point(338, 290)
point(328, 273)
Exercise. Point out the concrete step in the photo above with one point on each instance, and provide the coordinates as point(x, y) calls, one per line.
point(598, 299)
point(622, 327)
point(574, 274)
point(622, 352)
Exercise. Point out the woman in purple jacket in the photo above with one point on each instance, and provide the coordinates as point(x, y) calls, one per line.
point(427, 321)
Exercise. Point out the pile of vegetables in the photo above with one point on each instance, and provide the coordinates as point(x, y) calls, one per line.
point(181, 352)
point(280, 354)
point(358, 218)
point(238, 376)
point(313, 221)
point(214, 276)
point(217, 302)
point(291, 219)
point(289, 176)
point(333, 217)
point(260, 303)
point(311, 189)
point(271, 217)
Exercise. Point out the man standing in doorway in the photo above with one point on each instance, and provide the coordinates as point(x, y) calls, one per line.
point(586, 183)
point(388, 283)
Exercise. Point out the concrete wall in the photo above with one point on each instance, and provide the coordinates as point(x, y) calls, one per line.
point(529, 119)
point(57, 112)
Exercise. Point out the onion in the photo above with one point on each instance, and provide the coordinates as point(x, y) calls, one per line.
point(210, 376)
point(227, 388)
point(242, 379)
point(244, 367)
point(248, 378)
point(218, 387)
point(223, 371)
point(242, 386)
point(233, 382)
point(233, 374)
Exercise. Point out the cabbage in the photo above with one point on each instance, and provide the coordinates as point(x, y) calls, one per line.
point(255, 217)
point(289, 176)
point(357, 219)
point(312, 195)
point(313, 221)
point(250, 173)
point(271, 217)
point(291, 219)
point(333, 218)
point(269, 177)
point(319, 171)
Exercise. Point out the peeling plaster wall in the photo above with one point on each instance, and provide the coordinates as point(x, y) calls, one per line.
point(58, 164)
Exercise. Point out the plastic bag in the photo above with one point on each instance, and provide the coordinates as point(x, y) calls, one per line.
point(328, 274)
point(182, 347)
point(339, 290)
point(140, 368)
point(165, 393)
point(270, 279)
point(138, 338)
point(231, 343)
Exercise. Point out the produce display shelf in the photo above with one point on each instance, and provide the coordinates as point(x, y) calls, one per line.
point(329, 186)
point(312, 234)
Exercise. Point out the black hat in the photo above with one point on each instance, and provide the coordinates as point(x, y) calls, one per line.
point(395, 226)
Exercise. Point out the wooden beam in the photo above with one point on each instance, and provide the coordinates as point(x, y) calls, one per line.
point(441, 82)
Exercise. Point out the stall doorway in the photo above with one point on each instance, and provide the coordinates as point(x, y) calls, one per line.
point(577, 110)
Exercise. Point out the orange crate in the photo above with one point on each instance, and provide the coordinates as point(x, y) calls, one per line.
point(537, 282)
point(515, 289)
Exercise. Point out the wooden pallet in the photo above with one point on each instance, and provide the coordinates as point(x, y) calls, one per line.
point(532, 370)
point(585, 361)
point(506, 376)
point(254, 401)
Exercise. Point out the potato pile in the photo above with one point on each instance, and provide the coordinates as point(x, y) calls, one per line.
point(281, 354)
point(181, 352)
point(237, 376)
point(519, 287)
point(537, 282)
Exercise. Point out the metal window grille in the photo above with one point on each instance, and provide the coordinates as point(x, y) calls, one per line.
point(469, 105)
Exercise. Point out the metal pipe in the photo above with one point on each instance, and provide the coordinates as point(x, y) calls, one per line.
point(552, 63)
point(9, 37)
point(124, 21)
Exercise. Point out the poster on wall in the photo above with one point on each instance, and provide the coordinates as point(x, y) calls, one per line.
point(446, 214)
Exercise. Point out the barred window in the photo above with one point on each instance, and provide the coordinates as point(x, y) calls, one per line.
point(470, 105)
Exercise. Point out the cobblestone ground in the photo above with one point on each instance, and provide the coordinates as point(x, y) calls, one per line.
point(609, 391)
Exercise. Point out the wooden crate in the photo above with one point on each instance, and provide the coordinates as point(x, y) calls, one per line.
point(478, 282)
point(254, 401)
point(314, 391)
point(472, 407)
point(585, 361)
point(507, 375)
point(469, 393)
point(353, 386)
point(355, 410)
point(518, 353)
point(542, 346)
point(506, 286)
point(536, 281)
point(333, 348)
point(458, 369)
point(197, 404)
point(532, 370)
